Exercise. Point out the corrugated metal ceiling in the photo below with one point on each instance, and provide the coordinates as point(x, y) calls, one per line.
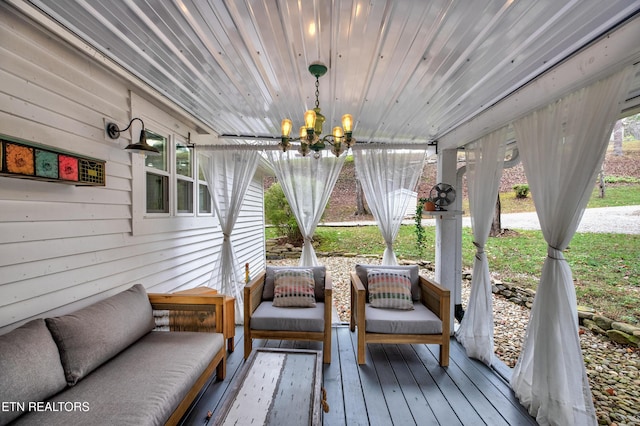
point(406, 70)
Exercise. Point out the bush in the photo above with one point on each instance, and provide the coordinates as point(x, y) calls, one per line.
point(522, 190)
point(278, 213)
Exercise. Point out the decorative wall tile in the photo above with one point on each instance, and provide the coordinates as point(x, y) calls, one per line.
point(28, 160)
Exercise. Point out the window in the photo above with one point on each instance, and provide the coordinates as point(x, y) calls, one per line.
point(204, 198)
point(170, 182)
point(184, 175)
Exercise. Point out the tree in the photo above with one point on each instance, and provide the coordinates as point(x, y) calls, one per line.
point(496, 225)
point(278, 213)
point(632, 126)
point(617, 138)
point(361, 208)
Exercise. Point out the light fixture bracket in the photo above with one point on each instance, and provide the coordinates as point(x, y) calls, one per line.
point(317, 69)
point(141, 146)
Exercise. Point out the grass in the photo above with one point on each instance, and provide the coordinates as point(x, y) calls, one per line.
point(605, 267)
point(621, 194)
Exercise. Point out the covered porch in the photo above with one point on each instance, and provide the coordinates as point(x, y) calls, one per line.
point(399, 385)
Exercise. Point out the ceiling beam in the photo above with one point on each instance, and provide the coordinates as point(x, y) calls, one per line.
point(607, 55)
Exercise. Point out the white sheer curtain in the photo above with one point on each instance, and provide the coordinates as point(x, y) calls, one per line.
point(228, 174)
point(389, 179)
point(307, 183)
point(562, 147)
point(485, 159)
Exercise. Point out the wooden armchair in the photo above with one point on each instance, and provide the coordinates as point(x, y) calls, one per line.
point(264, 321)
point(428, 322)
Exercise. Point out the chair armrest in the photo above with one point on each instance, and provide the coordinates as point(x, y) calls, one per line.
point(253, 293)
point(356, 284)
point(191, 312)
point(358, 301)
point(328, 290)
point(437, 299)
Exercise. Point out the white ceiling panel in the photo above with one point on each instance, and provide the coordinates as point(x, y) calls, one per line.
point(409, 70)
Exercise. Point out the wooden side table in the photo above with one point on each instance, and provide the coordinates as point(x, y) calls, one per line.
point(228, 312)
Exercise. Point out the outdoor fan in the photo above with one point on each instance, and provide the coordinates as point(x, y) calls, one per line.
point(442, 195)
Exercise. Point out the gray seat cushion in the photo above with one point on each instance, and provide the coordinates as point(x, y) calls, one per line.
point(143, 385)
point(268, 317)
point(414, 276)
point(91, 336)
point(319, 275)
point(30, 368)
point(394, 321)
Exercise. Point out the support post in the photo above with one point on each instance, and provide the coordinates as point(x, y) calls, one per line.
point(448, 235)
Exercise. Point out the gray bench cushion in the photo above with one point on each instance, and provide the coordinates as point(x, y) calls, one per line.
point(91, 336)
point(30, 368)
point(414, 276)
point(141, 386)
point(319, 275)
point(268, 317)
point(393, 321)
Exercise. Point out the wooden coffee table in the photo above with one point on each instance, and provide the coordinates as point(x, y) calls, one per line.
point(275, 387)
point(228, 314)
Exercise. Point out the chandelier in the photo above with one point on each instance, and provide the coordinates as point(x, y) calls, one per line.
point(340, 138)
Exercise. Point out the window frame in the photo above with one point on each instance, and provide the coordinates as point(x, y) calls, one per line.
point(144, 222)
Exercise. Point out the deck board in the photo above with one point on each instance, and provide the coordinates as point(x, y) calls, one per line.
point(403, 385)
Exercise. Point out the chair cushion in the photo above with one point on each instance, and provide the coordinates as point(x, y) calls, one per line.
point(30, 368)
point(294, 288)
point(90, 336)
point(414, 275)
point(319, 275)
point(420, 320)
point(268, 317)
point(389, 289)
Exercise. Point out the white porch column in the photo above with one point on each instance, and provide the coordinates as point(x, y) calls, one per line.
point(448, 239)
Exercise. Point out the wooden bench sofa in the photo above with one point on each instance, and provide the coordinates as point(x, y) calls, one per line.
point(110, 363)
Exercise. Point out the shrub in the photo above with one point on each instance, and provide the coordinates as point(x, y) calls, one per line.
point(522, 190)
point(277, 212)
point(621, 179)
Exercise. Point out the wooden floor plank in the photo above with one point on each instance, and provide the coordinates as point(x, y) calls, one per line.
point(332, 382)
point(399, 385)
point(456, 397)
point(355, 408)
point(393, 394)
point(444, 414)
point(416, 401)
point(377, 410)
point(481, 403)
point(497, 393)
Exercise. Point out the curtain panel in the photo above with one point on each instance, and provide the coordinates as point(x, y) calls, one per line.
point(307, 183)
point(485, 160)
point(562, 147)
point(389, 178)
point(228, 175)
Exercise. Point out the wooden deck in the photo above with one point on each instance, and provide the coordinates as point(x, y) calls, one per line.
point(399, 385)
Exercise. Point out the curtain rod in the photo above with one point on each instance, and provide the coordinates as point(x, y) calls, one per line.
point(357, 146)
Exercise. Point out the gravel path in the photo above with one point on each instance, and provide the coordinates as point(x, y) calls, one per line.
point(616, 220)
point(613, 369)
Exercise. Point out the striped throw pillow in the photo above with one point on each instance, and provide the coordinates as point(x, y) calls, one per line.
point(294, 288)
point(389, 289)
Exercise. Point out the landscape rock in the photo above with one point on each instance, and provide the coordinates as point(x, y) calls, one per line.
point(593, 327)
point(603, 322)
point(624, 327)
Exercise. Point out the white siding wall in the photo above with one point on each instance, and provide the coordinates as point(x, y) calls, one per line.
point(63, 247)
